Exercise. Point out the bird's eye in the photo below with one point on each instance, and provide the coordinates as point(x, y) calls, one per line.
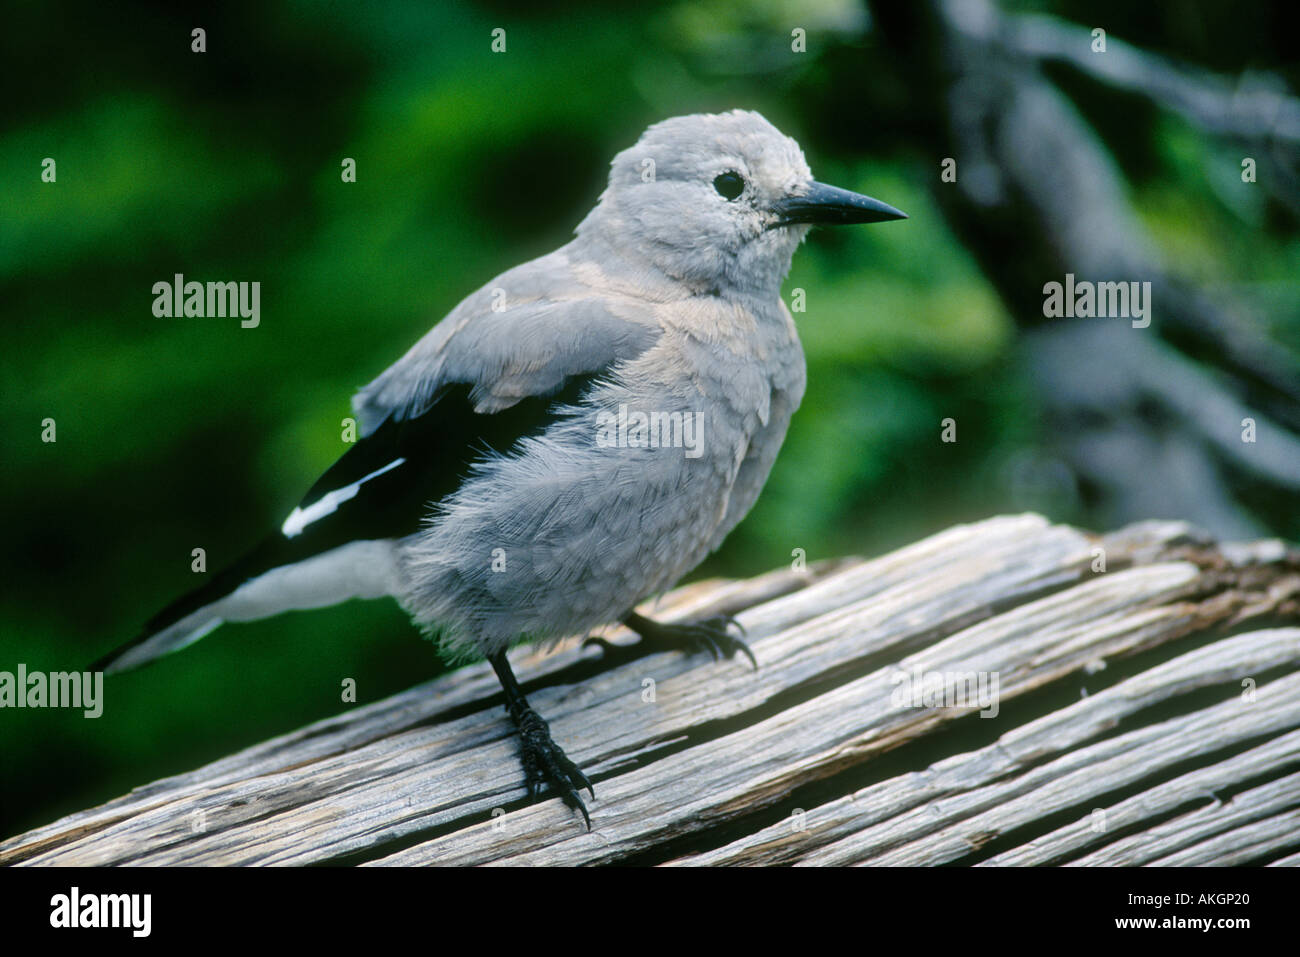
point(729, 184)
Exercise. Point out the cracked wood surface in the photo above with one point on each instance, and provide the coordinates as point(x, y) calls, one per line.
point(1147, 713)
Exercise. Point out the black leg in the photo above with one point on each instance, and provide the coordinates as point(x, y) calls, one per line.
point(712, 635)
point(544, 761)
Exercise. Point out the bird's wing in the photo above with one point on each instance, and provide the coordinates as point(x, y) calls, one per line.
point(521, 335)
point(381, 488)
point(479, 382)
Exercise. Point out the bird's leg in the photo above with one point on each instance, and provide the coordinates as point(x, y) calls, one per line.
point(544, 761)
point(711, 634)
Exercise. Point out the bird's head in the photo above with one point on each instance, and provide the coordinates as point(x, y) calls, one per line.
point(720, 201)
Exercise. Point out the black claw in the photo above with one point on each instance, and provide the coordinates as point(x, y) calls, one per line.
point(606, 646)
point(733, 622)
point(611, 654)
point(712, 635)
point(747, 652)
point(546, 764)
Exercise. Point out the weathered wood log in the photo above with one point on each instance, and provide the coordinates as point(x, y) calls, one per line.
point(1184, 750)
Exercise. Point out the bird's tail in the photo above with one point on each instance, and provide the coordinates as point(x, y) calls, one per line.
point(265, 582)
point(154, 644)
point(188, 618)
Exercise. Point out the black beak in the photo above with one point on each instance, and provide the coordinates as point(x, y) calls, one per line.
point(831, 206)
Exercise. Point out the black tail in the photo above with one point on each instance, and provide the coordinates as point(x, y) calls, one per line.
point(197, 612)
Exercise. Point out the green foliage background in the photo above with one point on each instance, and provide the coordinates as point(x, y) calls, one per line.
point(176, 433)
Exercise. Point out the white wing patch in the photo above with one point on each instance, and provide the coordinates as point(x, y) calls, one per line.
point(328, 503)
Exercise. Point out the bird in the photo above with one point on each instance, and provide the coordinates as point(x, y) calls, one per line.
point(573, 437)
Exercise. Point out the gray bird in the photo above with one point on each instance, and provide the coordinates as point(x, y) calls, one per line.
point(573, 437)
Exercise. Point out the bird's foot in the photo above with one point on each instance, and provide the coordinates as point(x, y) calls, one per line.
point(546, 764)
point(710, 634)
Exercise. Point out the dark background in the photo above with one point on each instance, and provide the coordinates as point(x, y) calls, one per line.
point(183, 433)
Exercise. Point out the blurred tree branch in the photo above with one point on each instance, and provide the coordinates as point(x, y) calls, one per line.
point(1255, 108)
point(1149, 432)
point(1252, 108)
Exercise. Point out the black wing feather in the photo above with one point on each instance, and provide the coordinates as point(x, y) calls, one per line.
point(438, 446)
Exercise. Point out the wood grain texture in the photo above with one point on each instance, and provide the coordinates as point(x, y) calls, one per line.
point(1147, 711)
